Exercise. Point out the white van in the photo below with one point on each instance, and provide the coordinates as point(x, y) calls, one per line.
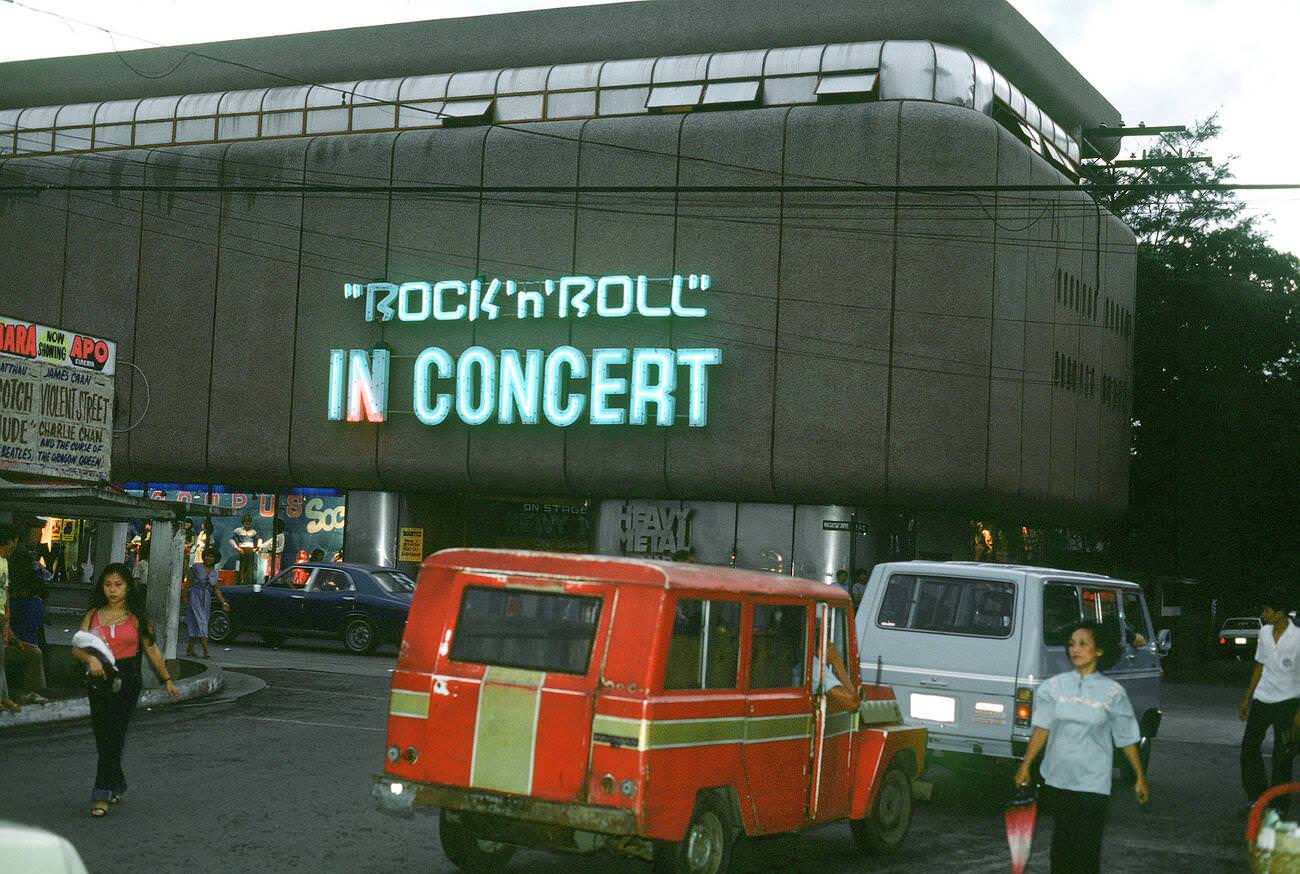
point(965, 645)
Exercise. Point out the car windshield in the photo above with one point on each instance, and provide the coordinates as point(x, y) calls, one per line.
point(1241, 625)
point(394, 581)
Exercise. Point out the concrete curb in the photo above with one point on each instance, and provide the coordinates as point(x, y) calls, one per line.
point(66, 709)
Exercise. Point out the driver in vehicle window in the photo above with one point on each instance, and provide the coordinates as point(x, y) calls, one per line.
point(837, 683)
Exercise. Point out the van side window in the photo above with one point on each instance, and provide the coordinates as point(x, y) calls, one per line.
point(780, 640)
point(1136, 631)
point(705, 648)
point(1060, 611)
point(952, 605)
point(1103, 606)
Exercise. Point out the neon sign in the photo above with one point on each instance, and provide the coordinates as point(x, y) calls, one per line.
point(561, 386)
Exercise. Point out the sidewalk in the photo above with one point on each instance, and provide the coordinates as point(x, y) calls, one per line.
point(67, 602)
point(206, 682)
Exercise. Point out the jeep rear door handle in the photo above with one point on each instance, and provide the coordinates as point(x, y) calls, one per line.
point(934, 682)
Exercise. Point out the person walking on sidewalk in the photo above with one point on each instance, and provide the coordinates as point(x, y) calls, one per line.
point(1081, 717)
point(8, 542)
point(1272, 698)
point(26, 614)
point(117, 617)
point(198, 599)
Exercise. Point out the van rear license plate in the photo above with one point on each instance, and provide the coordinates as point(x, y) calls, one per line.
point(933, 708)
point(1239, 640)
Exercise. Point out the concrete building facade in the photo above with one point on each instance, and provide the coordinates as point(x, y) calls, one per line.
point(842, 264)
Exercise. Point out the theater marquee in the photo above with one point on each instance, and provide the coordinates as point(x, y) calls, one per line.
point(562, 386)
point(56, 401)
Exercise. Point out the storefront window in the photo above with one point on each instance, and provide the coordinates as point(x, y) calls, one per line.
point(312, 523)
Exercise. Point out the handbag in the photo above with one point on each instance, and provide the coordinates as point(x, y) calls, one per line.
point(110, 682)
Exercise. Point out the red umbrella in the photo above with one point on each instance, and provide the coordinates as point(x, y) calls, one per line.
point(1021, 813)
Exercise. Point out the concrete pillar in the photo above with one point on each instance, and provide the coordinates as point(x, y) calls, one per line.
point(370, 532)
point(110, 544)
point(166, 556)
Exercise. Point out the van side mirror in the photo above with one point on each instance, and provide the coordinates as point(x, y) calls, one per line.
point(1165, 641)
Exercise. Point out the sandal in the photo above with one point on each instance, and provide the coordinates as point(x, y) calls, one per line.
point(116, 799)
point(100, 809)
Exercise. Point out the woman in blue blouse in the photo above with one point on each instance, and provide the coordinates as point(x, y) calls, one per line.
point(203, 585)
point(1081, 717)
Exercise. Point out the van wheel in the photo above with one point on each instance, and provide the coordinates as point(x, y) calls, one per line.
point(469, 853)
point(706, 848)
point(359, 636)
point(220, 627)
point(883, 829)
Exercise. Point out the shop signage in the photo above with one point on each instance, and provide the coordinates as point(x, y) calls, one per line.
point(410, 544)
point(56, 401)
point(843, 525)
point(563, 386)
point(653, 529)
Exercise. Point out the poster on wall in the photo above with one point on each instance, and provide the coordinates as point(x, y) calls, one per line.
point(56, 401)
point(410, 544)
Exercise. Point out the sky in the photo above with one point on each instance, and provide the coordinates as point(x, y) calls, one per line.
point(1157, 61)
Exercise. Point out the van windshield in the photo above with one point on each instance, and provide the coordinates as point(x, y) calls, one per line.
point(515, 628)
point(953, 605)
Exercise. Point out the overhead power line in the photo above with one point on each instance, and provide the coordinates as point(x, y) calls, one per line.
point(841, 188)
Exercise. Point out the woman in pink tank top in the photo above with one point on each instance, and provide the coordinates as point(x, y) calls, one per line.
point(117, 616)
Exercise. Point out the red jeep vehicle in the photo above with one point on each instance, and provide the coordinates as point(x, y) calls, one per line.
point(651, 709)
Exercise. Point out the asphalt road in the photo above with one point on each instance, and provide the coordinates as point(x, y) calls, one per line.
point(272, 775)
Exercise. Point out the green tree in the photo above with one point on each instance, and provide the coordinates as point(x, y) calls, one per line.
point(1215, 486)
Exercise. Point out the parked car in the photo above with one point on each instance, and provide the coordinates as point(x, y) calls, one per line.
point(966, 644)
point(1239, 636)
point(364, 605)
point(656, 710)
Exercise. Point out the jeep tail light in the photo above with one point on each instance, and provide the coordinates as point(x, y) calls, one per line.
point(1024, 706)
point(1223, 641)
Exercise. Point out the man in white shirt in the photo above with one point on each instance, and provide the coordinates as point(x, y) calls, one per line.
point(244, 543)
point(1272, 699)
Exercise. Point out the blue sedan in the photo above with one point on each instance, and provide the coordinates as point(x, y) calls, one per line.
point(364, 605)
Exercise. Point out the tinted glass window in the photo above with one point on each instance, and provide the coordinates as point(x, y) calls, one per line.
point(539, 631)
point(1060, 611)
point(293, 578)
point(1241, 625)
point(1103, 606)
point(777, 654)
point(705, 648)
point(331, 581)
point(1136, 630)
point(392, 581)
point(953, 605)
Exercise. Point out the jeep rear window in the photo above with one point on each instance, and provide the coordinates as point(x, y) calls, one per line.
point(538, 631)
point(951, 605)
point(1241, 625)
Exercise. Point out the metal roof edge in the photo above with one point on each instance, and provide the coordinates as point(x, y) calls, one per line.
point(992, 29)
